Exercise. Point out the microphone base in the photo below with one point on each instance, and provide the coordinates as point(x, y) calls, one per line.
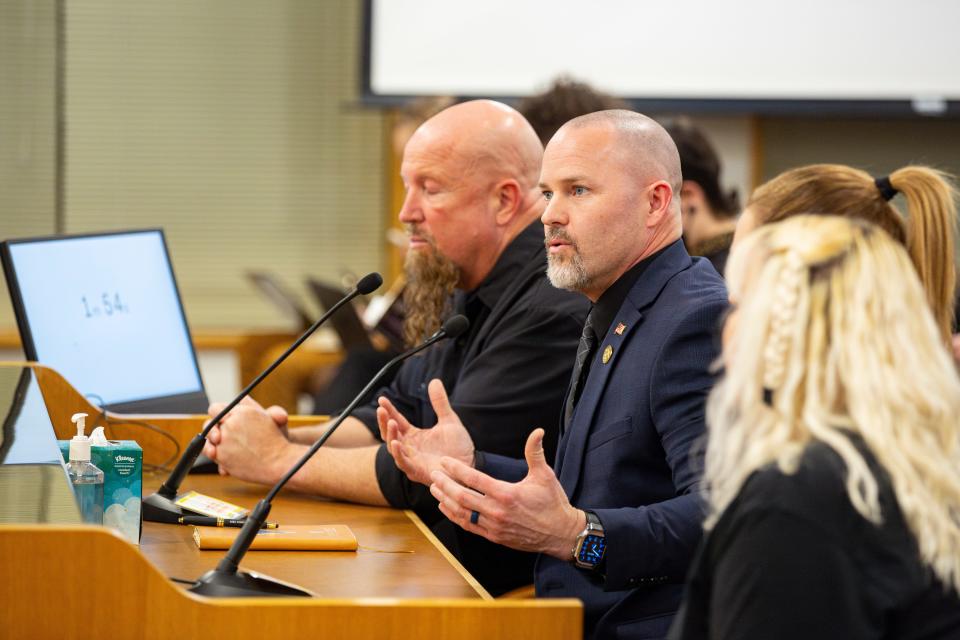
point(157, 508)
point(217, 584)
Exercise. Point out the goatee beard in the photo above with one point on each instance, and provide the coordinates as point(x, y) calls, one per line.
point(427, 298)
point(571, 274)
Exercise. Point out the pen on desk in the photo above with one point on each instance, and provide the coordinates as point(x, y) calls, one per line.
point(207, 521)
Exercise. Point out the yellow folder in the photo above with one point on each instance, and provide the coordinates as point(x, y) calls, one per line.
point(297, 537)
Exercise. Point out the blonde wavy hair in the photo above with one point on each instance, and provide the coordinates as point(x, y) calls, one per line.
point(927, 231)
point(834, 327)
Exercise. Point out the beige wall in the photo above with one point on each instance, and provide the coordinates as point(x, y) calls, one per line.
point(232, 124)
point(875, 145)
point(27, 123)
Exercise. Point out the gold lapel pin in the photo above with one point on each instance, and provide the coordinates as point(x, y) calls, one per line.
point(620, 329)
point(607, 354)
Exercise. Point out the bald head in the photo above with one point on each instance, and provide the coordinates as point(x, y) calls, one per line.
point(642, 144)
point(470, 174)
point(612, 181)
point(489, 138)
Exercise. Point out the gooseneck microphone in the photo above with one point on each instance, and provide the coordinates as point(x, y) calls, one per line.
point(226, 580)
point(161, 506)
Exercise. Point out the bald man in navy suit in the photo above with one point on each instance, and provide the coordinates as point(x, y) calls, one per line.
point(618, 517)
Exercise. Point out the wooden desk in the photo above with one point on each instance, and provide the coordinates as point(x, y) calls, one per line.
point(75, 581)
point(398, 557)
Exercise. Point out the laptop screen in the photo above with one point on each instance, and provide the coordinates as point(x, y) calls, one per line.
point(27, 433)
point(104, 310)
point(34, 486)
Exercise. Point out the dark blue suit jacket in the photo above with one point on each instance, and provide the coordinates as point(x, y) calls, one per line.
point(627, 455)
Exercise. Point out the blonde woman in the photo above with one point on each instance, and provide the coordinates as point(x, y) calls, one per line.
point(927, 231)
point(833, 461)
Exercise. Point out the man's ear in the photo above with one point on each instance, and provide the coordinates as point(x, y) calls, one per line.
point(660, 200)
point(506, 201)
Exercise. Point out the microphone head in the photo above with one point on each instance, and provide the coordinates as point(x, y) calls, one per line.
point(455, 325)
point(369, 283)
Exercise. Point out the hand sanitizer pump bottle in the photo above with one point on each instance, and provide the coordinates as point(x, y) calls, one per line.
point(87, 479)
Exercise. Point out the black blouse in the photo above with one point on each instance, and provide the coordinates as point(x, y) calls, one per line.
point(792, 558)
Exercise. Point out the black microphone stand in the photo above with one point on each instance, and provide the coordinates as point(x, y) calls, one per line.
point(226, 580)
point(162, 506)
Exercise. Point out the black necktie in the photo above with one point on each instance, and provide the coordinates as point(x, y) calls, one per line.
point(588, 342)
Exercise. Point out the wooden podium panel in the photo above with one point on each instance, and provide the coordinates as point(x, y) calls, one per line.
point(69, 582)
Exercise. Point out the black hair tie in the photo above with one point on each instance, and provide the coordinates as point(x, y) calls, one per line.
point(887, 190)
point(768, 396)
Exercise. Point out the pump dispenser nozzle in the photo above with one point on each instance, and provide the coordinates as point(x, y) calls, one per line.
point(80, 444)
point(87, 479)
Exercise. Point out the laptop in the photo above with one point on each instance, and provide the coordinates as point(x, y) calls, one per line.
point(104, 310)
point(347, 322)
point(34, 485)
point(287, 303)
point(384, 314)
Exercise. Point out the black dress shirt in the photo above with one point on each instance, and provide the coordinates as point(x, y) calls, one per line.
point(612, 299)
point(505, 377)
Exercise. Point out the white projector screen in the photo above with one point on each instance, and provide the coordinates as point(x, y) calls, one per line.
point(679, 50)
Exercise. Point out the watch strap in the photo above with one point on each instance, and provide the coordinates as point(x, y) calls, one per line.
point(593, 528)
point(592, 519)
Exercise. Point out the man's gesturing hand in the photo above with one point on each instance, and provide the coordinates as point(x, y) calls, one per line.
point(531, 515)
point(416, 451)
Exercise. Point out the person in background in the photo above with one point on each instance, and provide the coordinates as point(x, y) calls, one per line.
point(833, 447)
point(927, 232)
point(709, 212)
point(565, 100)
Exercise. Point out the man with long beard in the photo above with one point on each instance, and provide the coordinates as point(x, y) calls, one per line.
point(476, 247)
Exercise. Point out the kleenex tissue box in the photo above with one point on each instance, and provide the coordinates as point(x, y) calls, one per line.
point(122, 464)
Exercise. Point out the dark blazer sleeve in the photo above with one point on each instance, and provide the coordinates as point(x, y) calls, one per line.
point(502, 467)
point(653, 544)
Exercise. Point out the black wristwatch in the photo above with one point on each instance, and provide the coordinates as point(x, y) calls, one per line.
point(591, 544)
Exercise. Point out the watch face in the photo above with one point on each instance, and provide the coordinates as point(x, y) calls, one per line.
point(591, 551)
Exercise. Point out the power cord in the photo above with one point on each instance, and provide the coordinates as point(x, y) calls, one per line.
point(102, 419)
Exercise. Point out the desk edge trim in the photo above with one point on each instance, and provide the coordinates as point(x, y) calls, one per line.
point(425, 530)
